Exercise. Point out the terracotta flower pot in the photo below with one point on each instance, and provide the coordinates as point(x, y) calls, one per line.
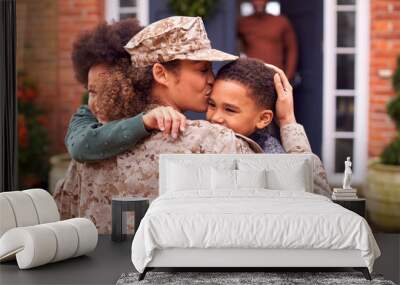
point(383, 196)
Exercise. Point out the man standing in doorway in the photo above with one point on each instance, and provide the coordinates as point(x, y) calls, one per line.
point(269, 38)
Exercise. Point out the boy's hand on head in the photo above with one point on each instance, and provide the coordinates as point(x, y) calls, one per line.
point(166, 119)
point(284, 103)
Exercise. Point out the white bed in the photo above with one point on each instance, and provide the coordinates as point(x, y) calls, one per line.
point(194, 223)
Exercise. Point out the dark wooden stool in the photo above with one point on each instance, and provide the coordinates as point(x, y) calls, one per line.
point(119, 206)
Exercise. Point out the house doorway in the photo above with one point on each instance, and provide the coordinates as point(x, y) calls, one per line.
point(307, 21)
point(331, 97)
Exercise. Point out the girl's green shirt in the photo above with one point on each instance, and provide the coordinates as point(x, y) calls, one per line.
point(89, 140)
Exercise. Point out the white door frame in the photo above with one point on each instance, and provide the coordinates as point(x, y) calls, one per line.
point(361, 92)
point(112, 11)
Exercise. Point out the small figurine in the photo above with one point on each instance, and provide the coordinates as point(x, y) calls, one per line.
point(347, 174)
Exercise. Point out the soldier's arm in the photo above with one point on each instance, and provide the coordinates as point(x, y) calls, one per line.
point(89, 140)
point(294, 139)
point(205, 137)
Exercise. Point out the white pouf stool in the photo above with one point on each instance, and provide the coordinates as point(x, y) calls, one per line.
point(31, 232)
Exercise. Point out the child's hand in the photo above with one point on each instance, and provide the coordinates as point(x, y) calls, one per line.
point(166, 119)
point(284, 103)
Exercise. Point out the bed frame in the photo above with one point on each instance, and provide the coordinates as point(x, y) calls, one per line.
point(242, 258)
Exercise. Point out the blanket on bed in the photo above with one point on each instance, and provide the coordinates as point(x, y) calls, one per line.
point(252, 218)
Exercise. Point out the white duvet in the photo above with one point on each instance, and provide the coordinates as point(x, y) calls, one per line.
point(253, 218)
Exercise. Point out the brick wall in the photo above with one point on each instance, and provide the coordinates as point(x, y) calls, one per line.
point(74, 16)
point(37, 50)
point(46, 30)
point(385, 48)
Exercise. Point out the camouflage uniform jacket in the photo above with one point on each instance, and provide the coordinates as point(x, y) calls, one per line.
point(88, 188)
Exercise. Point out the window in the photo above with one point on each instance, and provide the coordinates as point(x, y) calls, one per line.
point(122, 9)
point(346, 51)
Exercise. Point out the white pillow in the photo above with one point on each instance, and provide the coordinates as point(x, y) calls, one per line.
point(182, 178)
point(223, 179)
point(236, 179)
point(283, 172)
point(295, 180)
point(251, 178)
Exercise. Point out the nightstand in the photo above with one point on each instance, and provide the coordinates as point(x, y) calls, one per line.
point(119, 206)
point(355, 205)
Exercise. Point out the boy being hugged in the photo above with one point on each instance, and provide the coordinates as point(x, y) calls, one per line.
point(243, 99)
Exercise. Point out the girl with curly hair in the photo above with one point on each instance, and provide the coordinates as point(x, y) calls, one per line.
point(104, 67)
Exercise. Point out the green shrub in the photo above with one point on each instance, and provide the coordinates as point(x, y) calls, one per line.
point(396, 77)
point(391, 154)
point(393, 109)
point(33, 140)
point(193, 8)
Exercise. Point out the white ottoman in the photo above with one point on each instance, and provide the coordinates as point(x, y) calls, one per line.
point(31, 232)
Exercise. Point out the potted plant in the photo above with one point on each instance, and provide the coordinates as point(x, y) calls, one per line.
point(33, 139)
point(383, 179)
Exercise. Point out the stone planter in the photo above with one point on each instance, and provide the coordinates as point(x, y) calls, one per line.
point(59, 164)
point(383, 196)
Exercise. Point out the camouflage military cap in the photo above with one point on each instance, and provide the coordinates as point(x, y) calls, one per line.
point(172, 38)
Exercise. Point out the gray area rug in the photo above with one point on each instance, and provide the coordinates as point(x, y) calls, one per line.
point(229, 278)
